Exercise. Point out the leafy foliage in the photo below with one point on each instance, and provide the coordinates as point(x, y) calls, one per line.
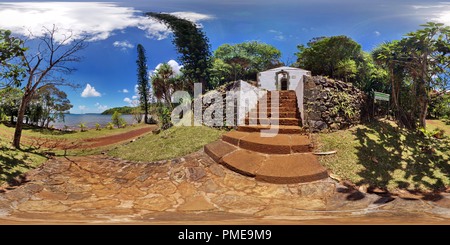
point(327, 56)
point(192, 45)
point(117, 119)
point(143, 84)
point(11, 64)
point(246, 59)
point(125, 110)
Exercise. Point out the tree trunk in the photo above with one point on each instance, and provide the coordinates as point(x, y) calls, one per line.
point(19, 124)
point(145, 112)
point(423, 105)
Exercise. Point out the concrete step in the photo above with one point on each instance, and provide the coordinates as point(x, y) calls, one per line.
point(273, 121)
point(279, 169)
point(281, 103)
point(218, 149)
point(278, 144)
point(281, 129)
point(275, 109)
point(281, 114)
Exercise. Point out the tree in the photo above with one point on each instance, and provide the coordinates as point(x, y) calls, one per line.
point(44, 66)
point(248, 58)
point(50, 105)
point(192, 45)
point(165, 83)
point(221, 72)
point(117, 119)
point(387, 55)
point(11, 51)
point(322, 55)
point(143, 83)
point(10, 98)
point(426, 55)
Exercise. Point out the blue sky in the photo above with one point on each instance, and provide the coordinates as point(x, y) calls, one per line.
point(107, 73)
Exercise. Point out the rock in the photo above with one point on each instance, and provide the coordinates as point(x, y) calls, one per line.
point(239, 204)
point(163, 187)
point(239, 182)
point(210, 186)
point(196, 203)
point(186, 189)
point(320, 190)
point(217, 170)
point(42, 206)
point(196, 173)
point(156, 203)
point(178, 175)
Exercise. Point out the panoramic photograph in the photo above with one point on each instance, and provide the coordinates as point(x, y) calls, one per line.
point(208, 112)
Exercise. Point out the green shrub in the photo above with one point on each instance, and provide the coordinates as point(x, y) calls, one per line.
point(98, 127)
point(82, 126)
point(117, 119)
point(164, 114)
point(110, 126)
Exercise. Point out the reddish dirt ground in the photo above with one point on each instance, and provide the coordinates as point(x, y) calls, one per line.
point(114, 139)
point(85, 143)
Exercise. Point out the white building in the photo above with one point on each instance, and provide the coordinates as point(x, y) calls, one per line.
point(281, 78)
point(285, 78)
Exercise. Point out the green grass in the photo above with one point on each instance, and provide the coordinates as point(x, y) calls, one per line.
point(172, 143)
point(69, 135)
point(382, 155)
point(434, 124)
point(16, 162)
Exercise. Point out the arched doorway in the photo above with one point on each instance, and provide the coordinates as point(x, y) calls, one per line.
point(282, 80)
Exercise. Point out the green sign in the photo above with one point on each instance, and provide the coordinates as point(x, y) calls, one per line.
point(381, 96)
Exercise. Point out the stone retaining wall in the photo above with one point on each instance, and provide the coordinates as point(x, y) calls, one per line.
point(330, 105)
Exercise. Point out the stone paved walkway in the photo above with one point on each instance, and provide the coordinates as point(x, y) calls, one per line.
point(193, 189)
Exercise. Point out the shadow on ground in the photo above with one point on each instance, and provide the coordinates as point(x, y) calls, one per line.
point(406, 159)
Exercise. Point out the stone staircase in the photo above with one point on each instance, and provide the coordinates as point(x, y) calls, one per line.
point(284, 158)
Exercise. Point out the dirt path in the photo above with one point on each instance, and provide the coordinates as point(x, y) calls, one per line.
point(114, 139)
point(65, 144)
point(195, 190)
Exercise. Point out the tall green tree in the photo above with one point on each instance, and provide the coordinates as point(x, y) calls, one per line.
point(426, 55)
point(49, 104)
point(11, 65)
point(327, 55)
point(192, 45)
point(44, 66)
point(143, 81)
point(248, 58)
point(10, 98)
point(165, 83)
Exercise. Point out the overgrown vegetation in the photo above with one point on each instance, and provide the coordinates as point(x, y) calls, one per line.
point(383, 155)
point(171, 143)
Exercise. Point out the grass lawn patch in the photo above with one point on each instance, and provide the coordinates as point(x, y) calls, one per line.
point(171, 143)
point(380, 154)
point(34, 132)
point(16, 162)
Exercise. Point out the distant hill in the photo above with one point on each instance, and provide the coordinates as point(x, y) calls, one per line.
point(125, 110)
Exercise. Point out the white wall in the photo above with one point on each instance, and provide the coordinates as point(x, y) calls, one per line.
point(266, 79)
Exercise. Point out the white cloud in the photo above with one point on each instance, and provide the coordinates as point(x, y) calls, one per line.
point(131, 102)
point(82, 107)
point(125, 91)
point(278, 35)
point(437, 13)
point(377, 33)
point(101, 107)
point(98, 20)
point(124, 45)
point(90, 91)
point(175, 67)
point(135, 97)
